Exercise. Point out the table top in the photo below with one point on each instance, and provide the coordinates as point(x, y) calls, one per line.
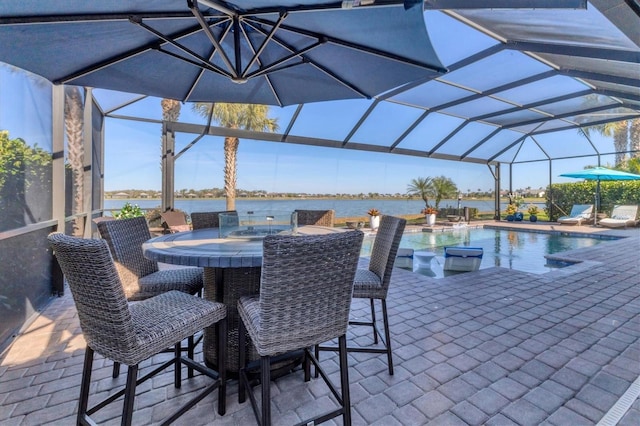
point(204, 248)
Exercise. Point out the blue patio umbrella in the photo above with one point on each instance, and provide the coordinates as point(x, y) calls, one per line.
point(601, 174)
point(278, 52)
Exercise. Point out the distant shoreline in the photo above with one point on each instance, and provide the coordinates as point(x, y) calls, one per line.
point(343, 207)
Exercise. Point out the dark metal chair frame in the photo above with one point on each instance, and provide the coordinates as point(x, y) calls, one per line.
point(130, 334)
point(373, 284)
point(141, 277)
point(304, 300)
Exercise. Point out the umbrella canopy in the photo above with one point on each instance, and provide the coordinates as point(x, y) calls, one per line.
point(601, 174)
point(249, 51)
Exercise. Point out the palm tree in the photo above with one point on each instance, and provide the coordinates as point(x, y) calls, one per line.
point(634, 138)
point(74, 129)
point(170, 112)
point(422, 187)
point(443, 187)
point(620, 132)
point(236, 116)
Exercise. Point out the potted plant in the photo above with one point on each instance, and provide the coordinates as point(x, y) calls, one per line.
point(511, 211)
point(374, 218)
point(533, 213)
point(430, 214)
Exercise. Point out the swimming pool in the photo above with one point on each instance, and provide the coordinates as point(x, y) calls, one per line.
point(523, 251)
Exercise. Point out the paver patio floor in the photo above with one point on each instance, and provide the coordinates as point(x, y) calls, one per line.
point(495, 347)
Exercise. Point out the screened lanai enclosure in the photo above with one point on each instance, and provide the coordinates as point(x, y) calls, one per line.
point(496, 88)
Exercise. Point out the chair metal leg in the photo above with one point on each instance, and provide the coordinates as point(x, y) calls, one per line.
point(385, 340)
point(242, 361)
point(306, 365)
point(116, 370)
point(317, 355)
point(129, 395)
point(387, 336)
point(344, 380)
point(265, 384)
point(177, 366)
point(190, 353)
point(373, 321)
point(83, 401)
point(222, 365)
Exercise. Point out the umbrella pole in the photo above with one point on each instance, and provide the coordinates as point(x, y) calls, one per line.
point(597, 204)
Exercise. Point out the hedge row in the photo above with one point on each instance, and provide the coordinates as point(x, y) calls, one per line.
point(565, 195)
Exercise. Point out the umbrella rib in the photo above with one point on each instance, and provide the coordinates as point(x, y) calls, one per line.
point(300, 53)
point(201, 72)
point(277, 65)
point(80, 18)
point(119, 58)
point(212, 38)
point(264, 44)
point(266, 77)
point(201, 65)
point(354, 46)
point(167, 40)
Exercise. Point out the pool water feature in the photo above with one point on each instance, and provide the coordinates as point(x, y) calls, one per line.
point(523, 251)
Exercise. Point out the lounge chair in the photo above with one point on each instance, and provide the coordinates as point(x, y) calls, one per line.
point(464, 259)
point(579, 213)
point(621, 217)
point(175, 221)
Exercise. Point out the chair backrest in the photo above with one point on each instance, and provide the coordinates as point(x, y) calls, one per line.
point(629, 212)
point(385, 248)
point(582, 211)
point(125, 238)
point(316, 217)
point(306, 285)
point(175, 221)
point(202, 220)
point(97, 292)
point(102, 219)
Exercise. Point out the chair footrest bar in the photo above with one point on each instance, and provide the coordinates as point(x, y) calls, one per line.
point(200, 368)
point(191, 403)
point(118, 394)
point(354, 349)
point(360, 323)
point(322, 418)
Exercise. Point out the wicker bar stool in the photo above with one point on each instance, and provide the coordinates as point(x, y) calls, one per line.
point(316, 217)
point(141, 278)
point(373, 284)
point(131, 333)
point(202, 220)
point(305, 296)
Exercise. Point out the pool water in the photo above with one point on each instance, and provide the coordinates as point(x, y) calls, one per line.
point(523, 251)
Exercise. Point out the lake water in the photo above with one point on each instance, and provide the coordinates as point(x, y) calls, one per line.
point(523, 251)
point(343, 208)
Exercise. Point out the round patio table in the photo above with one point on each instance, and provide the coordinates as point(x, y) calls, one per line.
point(231, 270)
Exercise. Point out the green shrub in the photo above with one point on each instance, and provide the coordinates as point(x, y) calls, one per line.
point(565, 195)
point(128, 211)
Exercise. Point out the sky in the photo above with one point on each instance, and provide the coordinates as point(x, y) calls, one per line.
point(280, 167)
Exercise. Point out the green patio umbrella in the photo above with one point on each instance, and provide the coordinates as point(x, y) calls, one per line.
point(599, 174)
